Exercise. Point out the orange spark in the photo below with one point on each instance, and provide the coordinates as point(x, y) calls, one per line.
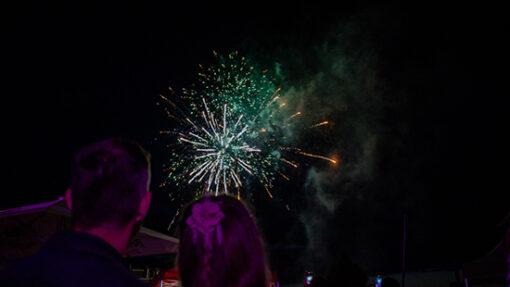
point(289, 162)
point(317, 156)
point(294, 115)
point(284, 176)
point(167, 100)
point(320, 124)
point(267, 189)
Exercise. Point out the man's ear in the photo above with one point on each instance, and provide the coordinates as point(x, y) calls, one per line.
point(143, 208)
point(69, 198)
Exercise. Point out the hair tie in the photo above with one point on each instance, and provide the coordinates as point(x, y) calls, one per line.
point(205, 218)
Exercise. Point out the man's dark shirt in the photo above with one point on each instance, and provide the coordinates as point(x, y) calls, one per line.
point(71, 259)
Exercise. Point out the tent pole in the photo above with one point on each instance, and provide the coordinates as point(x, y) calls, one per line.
point(404, 251)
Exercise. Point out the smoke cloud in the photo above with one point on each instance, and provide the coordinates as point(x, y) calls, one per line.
point(338, 80)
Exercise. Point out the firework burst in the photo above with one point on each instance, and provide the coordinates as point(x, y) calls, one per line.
point(230, 129)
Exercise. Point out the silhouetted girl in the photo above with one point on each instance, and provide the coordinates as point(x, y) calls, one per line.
point(220, 245)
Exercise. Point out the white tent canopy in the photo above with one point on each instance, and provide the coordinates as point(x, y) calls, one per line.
point(23, 231)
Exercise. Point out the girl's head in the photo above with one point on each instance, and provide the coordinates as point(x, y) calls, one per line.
point(220, 245)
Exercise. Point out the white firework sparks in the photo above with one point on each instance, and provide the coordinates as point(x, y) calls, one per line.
point(220, 150)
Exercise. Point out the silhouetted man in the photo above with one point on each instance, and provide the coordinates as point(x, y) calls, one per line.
point(108, 199)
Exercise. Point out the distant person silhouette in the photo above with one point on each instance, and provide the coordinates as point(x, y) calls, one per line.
point(457, 284)
point(390, 282)
point(343, 272)
point(109, 196)
point(318, 281)
point(220, 245)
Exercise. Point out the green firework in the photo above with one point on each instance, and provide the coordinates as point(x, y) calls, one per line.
point(229, 128)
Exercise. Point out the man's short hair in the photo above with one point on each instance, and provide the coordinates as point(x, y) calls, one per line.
point(108, 180)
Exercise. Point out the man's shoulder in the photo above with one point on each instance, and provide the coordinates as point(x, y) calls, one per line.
point(66, 264)
point(21, 272)
point(39, 270)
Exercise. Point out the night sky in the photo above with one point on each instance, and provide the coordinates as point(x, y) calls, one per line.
point(418, 112)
